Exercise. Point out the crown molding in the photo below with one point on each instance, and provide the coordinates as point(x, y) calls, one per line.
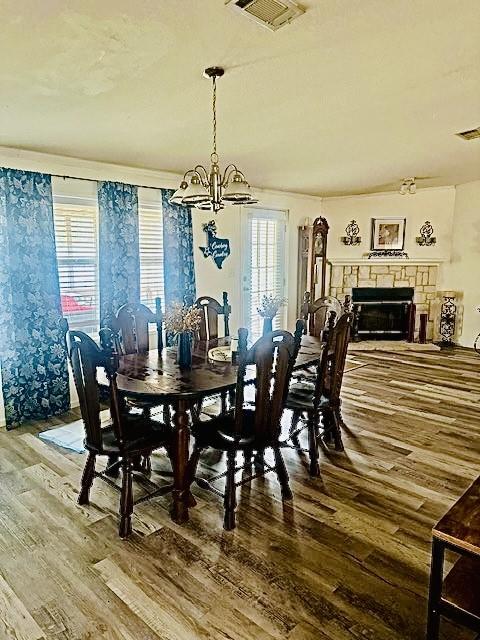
point(72, 167)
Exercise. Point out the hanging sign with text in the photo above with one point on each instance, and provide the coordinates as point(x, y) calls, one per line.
point(217, 248)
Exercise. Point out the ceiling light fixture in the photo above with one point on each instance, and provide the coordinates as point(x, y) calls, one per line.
point(209, 190)
point(408, 186)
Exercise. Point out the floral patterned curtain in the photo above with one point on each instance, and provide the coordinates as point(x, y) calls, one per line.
point(179, 268)
point(119, 254)
point(32, 342)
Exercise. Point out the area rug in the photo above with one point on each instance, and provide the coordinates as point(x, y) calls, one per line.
point(391, 345)
point(70, 436)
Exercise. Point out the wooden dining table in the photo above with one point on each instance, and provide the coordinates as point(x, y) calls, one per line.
point(155, 376)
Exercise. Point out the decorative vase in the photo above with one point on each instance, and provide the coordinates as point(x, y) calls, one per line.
point(267, 326)
point(184, 350)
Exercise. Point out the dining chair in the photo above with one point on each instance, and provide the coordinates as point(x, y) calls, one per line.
point(316, 314)
point(211, 309)
point(251, 429)
point(126, 438)
point(131, 327)
point(321, 399)
point(132, 323)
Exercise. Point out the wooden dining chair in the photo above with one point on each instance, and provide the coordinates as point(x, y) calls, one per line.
point(211, 309)
point(316, 314)
point(126, 438)
point(132, 323)
point(251, 429)
point(321, 399)
point(131, 328)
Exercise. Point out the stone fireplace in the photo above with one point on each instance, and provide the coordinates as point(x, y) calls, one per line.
point(421, 276)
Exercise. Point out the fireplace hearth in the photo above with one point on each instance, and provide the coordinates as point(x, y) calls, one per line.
point(384, 313)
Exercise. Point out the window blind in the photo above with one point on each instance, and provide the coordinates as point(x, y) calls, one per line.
point(267, 259)
point(76, 238)
point(151, 254)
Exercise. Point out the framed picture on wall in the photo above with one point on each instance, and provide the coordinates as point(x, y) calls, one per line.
point(388, 234)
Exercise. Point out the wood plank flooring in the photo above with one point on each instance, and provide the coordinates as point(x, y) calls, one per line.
point(348, 559)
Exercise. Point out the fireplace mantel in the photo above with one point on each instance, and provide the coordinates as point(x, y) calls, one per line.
point(435, 262)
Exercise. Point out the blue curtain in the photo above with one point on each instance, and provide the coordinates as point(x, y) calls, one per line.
point(119, 255)
point(32, 342)
point(179, 268)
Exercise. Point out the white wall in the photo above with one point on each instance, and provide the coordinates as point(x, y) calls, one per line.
point(463, 272)
point(435, 205)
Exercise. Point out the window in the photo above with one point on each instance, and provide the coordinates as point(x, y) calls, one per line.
point(151, 247)
point(76, 233)
point(264, 267)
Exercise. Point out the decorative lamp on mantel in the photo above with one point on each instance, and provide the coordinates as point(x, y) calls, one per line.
point(352, 238)
point(426, 237)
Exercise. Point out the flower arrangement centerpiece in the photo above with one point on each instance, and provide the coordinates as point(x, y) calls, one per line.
point(183, 321)
point(268, 309)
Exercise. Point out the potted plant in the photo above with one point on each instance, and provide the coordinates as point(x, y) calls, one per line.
point(268, 309)
point(183, 322)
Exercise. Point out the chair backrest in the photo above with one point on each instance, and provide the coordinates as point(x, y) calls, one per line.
point(211, 309)
point(85, 358)
point(324, 362)
point(132, 324)
point(337, 359)
point(316, 313)
point(273, 356)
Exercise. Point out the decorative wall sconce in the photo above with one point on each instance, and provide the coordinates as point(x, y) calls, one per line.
point(352, 238)
point(426, 238)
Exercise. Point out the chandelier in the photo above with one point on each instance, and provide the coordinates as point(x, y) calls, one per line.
point(210, 190)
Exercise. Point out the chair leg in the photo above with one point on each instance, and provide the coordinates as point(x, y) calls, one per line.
point(337, 431)
point(230, 498)
point(166, 415)
point(296, 415)
point(247, 459)
point(223, 401)
point(126, 500)
point(259, 461)
point(87, 479)
point(146, 465)
point(314, 469)
point(192, 466)
point(282, 474)
point(113, 466)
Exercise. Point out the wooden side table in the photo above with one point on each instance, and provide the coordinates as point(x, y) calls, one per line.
point(457, 596)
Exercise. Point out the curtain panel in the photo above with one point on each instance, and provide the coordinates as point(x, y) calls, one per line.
point(179, 268)
point(119, 254)
point(33, 354)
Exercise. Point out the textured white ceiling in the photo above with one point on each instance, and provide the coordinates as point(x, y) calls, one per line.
point(350, 98)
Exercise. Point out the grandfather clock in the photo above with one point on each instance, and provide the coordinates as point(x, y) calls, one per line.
point(318, 258)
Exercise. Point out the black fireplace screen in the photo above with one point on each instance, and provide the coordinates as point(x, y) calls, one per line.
point(383, 312)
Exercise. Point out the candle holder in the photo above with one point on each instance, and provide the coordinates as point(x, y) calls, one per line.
point(352, 238)
point(426, 238)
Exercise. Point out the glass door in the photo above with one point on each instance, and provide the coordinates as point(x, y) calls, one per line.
point(263, 265)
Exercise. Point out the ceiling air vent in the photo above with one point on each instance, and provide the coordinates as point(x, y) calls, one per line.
point(471, 134)
point(272, 14)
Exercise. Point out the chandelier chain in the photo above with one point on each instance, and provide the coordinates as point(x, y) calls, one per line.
point(214, 105)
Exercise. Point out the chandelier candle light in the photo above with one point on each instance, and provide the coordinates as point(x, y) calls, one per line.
point(209, 190)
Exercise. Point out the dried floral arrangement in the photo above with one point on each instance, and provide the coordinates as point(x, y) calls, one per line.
point(270, 305)
point(183, 319)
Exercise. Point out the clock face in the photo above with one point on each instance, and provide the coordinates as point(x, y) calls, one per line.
point(319, 245)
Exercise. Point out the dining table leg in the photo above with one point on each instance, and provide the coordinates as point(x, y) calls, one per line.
point(180, 446)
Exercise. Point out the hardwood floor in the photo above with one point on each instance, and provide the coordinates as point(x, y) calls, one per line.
point(348, 559)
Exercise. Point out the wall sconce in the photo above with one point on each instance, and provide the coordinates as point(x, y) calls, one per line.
point(352, 238)
point(408, 186)
point(426, 238)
